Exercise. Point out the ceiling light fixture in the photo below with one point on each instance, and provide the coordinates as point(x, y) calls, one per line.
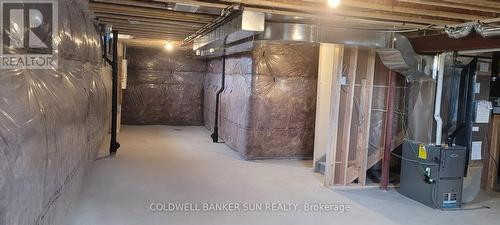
point(125, 36)
point(334, 3)
point(169, 46)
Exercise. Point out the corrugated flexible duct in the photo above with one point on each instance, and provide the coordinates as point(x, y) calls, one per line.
point(487, 31)
point(459, 32)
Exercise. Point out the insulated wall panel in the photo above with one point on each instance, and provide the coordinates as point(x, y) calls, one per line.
point(283, 102)
point(52, 123)
point(268, 105)
point(163, 88)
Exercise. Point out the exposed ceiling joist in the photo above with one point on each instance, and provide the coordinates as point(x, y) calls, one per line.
point(323, 9)
point(193, 2)
point(489, 4)
point(147, 24)
point(142, 42)
point(133, 19)
point(151, 34)
point(125, 10)
point(359, 14)
point(413, 11)
point(453, 5)
point(146, 30)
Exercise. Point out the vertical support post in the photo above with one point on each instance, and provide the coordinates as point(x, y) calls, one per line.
point(335, 69)
point(364, 127)
point(323, 101)
point(347, 116)
point(494, 151)
point(388, 130)
point(114, 97)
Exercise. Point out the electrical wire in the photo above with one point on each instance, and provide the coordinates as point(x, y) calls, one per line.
point(415, 161)
point(488, 144)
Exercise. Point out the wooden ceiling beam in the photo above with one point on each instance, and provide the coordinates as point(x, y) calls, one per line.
point(148, 20)
point(146, 4)
point(146, 30)
point(324, 10)
point(148, 42)
point(148, 25)
point(413, 11)
point(483, 3)
point(149, 13)
point(152, 35)
point(193, 2)
point(330, 19)
point(298, 11)
point(450, 5)
point(443, 43)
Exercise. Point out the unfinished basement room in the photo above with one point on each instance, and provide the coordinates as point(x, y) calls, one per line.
point(250, 112)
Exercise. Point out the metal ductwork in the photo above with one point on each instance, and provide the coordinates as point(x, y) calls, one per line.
point(401, 58)
point(252, 26)
point(244, 25)
point(487, 31)
point(459, 32)
point(421, 73)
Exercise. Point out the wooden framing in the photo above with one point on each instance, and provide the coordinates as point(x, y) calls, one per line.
point(492, 156)
point(446, 3)
point(323, 99)
point(349, 114)
point(335, 69)
point(364, 125)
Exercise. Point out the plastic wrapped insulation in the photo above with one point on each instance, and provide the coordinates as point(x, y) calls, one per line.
point(163, 88)
point(52, 124)
point(268, 106)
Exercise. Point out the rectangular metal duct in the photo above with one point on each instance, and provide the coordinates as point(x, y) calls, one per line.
point(207, 46)
point(245, 25)
point(186, 8)
point(400, 57)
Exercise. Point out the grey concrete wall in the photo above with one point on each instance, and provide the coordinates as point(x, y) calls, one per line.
point(163, 88)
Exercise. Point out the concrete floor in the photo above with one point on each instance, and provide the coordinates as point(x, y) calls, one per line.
point(164, 164)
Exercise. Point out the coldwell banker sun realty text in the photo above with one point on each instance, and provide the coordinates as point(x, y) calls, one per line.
point(28, 33)
point(247, 207)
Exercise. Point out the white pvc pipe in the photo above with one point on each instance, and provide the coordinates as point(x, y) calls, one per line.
point(439, 96)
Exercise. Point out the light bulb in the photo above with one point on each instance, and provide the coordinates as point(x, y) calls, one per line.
point(169, 46)
point(334, 3)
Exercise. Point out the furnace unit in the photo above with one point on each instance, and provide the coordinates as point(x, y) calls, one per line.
point(433, 175)
point(443, 123)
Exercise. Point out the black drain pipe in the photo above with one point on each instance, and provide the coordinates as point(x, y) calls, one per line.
point(114, 145)
point(215, 134)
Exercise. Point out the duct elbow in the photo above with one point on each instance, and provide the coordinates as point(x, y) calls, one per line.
point(458, 32)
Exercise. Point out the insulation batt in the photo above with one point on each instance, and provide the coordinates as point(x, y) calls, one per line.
point(52, 123)
point(163, 88)
point(268, 106)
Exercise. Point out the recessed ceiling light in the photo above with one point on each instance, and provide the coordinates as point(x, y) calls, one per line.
point(334, 3)
point(169, 46)
point(125, 36)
